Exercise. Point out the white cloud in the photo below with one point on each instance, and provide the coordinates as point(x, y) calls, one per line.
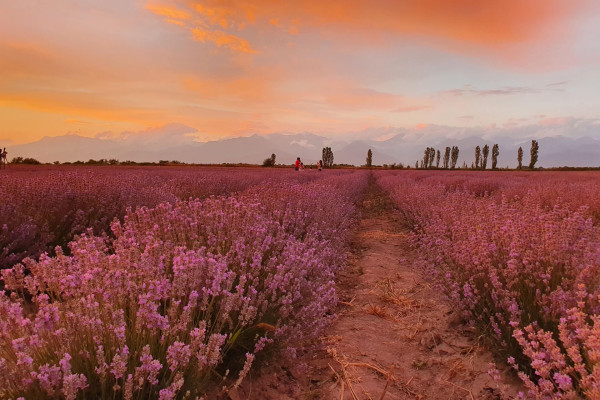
point(302, 143)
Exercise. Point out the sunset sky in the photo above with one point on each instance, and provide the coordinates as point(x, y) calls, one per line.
point(98, 68)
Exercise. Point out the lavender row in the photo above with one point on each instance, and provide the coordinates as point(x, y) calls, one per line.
point(519, 256)
point(44, 207)
point(183, 296)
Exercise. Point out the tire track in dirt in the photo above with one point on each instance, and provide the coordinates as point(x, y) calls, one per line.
point(395, 338)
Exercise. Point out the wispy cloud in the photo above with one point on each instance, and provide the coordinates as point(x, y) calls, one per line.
point(411, 108)
point(356, 98)
point(561, 83)
point(222, 39)
point(503, 91)
point(166, 135)
point(206, 24)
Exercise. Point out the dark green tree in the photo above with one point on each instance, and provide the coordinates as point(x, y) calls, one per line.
point(327, 157)
point(485, 152)
point(447, 157)
point(369, 158)
point(454, 156)
point(495, 153)
point(431, 157)
point(534, 153)
point(426, 158)
point(269, 162)
point(520, 157)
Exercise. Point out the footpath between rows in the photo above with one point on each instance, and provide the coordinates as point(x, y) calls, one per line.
point(395, 338)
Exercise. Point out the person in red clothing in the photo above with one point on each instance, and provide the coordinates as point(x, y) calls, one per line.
point(298, 162)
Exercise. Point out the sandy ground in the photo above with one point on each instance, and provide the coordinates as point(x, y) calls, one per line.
point(395, 338)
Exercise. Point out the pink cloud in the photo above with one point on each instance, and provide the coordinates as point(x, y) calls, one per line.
point(552, 121)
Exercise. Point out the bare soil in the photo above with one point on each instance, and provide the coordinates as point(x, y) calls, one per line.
point(395, 338)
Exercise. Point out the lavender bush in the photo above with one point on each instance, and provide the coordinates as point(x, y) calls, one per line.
point(179, 297)
point(520, 258)
point(44, 207)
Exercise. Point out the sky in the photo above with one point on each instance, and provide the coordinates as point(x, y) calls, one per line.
point(227, 68)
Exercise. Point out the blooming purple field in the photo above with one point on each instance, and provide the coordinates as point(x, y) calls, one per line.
point(519, 255)
point(44, 207)
point(172, 280)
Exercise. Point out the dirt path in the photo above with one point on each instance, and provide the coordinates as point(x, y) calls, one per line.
point(395, 337)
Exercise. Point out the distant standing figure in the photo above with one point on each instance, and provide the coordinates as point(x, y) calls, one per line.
point(4, 154)
point(301, 166)
point(298, 162)
point(320, 165)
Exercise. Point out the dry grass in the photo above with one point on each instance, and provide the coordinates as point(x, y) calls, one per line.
point(457, 368)
point(402, 298)
point(378, 311)
point(348, 377)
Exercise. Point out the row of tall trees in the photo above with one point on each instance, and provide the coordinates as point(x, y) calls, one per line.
point(431, 156)
point(533, 152)
point(327, 157)
point(481, 156)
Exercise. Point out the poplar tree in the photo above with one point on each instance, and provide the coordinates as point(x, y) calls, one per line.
point(520, 157)
point(534, 153)
point(327, 157)
point(446, 157)
point(454, 156)
point(495, 153)
point(431, 157)
point(426, 157)
point(485, 152)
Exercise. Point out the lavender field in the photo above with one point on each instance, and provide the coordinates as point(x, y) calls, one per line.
point(171, 282)
point(132, 282)
point(519, 255)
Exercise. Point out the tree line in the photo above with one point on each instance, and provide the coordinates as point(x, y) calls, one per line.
point(431, 157)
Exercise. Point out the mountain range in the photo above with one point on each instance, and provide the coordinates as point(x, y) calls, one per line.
point(554, 151)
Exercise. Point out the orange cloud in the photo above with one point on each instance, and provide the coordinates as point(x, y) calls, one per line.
point(72, 103)
point(245, 92)
point(214, 16)
point(172, 13)
point(25, 60)
point(348, 98)
point(494, 26)
point(222, 39)
point(206, 21)
point(175, 22)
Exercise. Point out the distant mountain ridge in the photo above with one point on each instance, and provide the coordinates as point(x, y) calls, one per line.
point(554, 151)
